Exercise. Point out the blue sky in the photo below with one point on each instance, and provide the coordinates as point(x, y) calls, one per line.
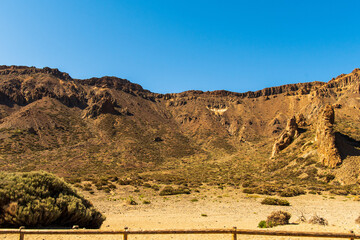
point(173, 46)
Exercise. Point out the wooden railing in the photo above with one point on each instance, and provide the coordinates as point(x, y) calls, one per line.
point(126, 233)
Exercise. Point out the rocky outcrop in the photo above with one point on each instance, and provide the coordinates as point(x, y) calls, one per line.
point(325, 138)
point(301, 120)
point(286, 137)
point(23, 70)
point(24, 85)
point(113, 83)
point(99, 104)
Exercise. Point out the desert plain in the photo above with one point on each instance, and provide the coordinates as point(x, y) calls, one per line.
point(212, 208)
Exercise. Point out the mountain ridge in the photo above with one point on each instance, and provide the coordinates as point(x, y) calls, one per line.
point(110, 81)
point(108, 125)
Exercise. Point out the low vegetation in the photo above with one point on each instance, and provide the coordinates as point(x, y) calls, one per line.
point(292, 191)
point(275, 219)
point(318, 220)
point(275, 201)
point(40, 199)
point(131, 201)
point(169, 190)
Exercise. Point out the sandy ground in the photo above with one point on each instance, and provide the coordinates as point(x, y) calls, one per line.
point(213, 208)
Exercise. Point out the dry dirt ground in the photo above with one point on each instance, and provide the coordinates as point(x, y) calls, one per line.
point(212, 208)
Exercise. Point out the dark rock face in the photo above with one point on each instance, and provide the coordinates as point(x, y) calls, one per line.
point(325, 138)
point(23, 85)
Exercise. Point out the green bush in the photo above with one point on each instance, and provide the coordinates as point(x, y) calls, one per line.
point(41, 199)
point(262, 224)
point(275, 201)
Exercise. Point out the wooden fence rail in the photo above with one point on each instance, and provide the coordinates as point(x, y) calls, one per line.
point(125, 233)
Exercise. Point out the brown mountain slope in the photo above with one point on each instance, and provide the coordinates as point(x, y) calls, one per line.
point(110, 126)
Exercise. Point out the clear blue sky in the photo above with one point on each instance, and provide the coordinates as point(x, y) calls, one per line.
point(173, 46)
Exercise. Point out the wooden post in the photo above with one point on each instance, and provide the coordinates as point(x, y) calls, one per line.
point(21, 233)
point(125, 233)
point(234, 234)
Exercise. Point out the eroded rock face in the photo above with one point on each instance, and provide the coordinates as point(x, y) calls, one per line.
point(99, 104)
point(301, 120)
point(325, 138)
point(286, 137)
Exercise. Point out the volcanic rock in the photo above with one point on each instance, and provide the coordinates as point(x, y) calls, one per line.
point(325, 138)
point(286, 137)
point(99, 104)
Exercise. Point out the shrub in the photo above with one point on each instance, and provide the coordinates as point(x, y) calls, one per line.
point(155, 187)
point(249, 184)
point(318, 220)
point(249, 190)
point(275, 201)
point(291, 192)
point(124, 181)
point(266, 190)
point(263, 190)
point(87, 187)
point(278, 218)
point(169, 190)
point(340, 192)
point(41, 199)
point(131, 201)
point(262, 224)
